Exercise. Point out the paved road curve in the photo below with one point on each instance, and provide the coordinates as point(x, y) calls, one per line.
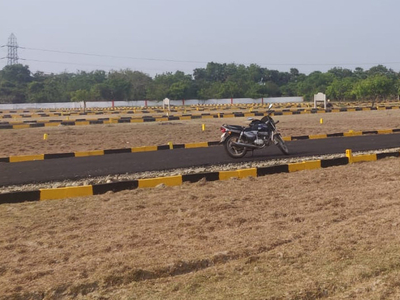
point(83, 167)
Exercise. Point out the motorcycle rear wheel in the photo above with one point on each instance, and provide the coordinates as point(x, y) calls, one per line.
point(234, 151)
point(281, 144)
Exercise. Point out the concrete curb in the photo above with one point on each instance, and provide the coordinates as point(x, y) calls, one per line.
point(98, 189)
point(78, 122)
point(20, 158)
point(25, 113)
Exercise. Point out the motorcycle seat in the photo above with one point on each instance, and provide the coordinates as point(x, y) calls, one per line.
point(235, 127)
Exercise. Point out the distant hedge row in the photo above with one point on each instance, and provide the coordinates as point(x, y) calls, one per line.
point(19, 85)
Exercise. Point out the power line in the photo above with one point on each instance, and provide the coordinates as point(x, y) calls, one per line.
point(84, 64)
point(111, 56)
point(205, 62)
point(333, 64)
point(13, 47)
point(67, 63)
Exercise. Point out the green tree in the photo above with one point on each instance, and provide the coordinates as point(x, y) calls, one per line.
point(139, 83)
point(216, 80)
point(174, 86)
point(359, 73)
point(178, 90)
point(314, 83)
point(14, 80)
point(375, 87)
point(229, 90)
point(341, 89)
point(36, 92)
point(81, 96)
point(17, 74)
point(85, 80)
point(119, 86)
point(56, 90)
point(211, 91)
point(101, 91)
point(381, 70)
point(255, 91)
point(158, 89)
point(340, 73)
point(397, 87)
point(289, 90)
point(254, 73)
point(11, 93)
point(216, 72)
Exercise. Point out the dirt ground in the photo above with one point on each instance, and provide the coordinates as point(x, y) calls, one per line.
point(63, 139)
point(323, 234)
point(329, 233)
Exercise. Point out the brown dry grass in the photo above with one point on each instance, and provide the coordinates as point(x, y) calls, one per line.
point(115, 136)
point(329, 233)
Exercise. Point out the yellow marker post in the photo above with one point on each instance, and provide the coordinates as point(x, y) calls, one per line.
point(171, 146)
point(45, 136)
point(349, 155)
point(203, 127)
point(321, 121)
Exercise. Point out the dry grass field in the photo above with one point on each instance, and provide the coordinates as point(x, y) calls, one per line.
point(323, 234)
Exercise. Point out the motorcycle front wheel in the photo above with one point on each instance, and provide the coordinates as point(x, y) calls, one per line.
point(232, 150)
point(281, 144)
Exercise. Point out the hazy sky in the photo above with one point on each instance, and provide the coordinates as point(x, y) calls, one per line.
point(157, 36)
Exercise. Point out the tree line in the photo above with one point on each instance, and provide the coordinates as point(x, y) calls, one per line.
point(216, 81)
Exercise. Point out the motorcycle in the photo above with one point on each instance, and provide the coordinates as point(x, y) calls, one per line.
point(237, 140)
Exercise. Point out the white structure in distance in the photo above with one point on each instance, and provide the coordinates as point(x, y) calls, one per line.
point(166, 102)
point(320, 97)
point(148, 103)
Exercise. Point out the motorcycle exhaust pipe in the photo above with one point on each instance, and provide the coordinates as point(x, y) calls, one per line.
point(245, 145)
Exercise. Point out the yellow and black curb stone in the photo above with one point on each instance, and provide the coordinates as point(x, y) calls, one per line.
point(35, 123)
point(98, 189)
point(20, 158)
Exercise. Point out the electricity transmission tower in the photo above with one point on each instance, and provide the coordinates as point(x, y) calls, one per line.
point(12, 50)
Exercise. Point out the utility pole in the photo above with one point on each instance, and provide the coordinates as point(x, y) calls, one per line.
point(12, 50)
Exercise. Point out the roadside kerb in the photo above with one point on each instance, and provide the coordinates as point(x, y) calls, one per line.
point(84, 122)
point(18, 113)
point(97, 189)
point(21, 158)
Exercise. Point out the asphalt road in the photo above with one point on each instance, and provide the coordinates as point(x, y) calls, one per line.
point(84, 167)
